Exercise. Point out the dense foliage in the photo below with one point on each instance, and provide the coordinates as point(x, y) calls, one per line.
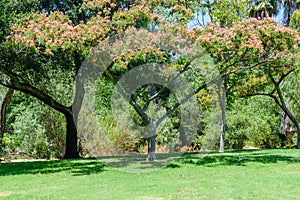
point(44, 44)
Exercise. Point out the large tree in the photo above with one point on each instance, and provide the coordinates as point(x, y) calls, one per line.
point(60, 35)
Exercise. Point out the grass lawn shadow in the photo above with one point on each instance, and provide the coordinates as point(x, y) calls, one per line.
point(237, 157)
point(136, 163)
point(77, 167)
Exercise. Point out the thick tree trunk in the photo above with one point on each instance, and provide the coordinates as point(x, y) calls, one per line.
point(151, 141)
point(71, 137)
point(76, 107)
point(5, 102)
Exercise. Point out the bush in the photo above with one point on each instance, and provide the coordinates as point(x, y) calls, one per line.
point(238, 128)
point(37, 131)
point(252, 123)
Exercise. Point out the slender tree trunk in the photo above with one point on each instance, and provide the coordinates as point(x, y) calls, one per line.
point(289, 113)
point(71, 137)
point(223, 128)
point(285, 127)
point(298, 140)
point(151, 141)
point(5, 102)
point(222, 98)
point(152, 131)
point(283, 123)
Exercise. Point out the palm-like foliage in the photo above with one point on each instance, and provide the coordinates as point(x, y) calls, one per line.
point(263, 8)
point(281, 9)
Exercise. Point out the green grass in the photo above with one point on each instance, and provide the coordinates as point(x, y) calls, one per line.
point(251, 174)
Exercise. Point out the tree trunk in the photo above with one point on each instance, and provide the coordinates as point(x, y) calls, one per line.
point(222, 98)
point(298, 140)
point(5, 102)
point(284, 124)
point(296, 123)
point(152, 130)
point(71, 137)
point(285, 127)
point(223, 129)
point(151, 141)
point(289, 113)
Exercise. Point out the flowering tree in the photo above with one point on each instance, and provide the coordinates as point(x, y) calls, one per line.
point(264, 53)
point(66, 38)
point(10, 10)
point(138, 47)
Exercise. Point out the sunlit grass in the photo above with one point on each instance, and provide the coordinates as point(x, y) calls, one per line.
point(259, 174)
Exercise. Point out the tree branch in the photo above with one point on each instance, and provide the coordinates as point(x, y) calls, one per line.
point(185, 68)
point(131, 101)
point(33, 91)
point(205, 86)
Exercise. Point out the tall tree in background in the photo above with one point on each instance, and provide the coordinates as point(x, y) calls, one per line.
point(289, 7)
point(263, 8)
point(283, 11)
point(224, 14)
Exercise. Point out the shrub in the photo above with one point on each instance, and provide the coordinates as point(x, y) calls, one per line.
point(253, 123)
point(37, 130)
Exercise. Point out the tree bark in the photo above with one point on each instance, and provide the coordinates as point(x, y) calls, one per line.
point(5, 102)
point(71, 137)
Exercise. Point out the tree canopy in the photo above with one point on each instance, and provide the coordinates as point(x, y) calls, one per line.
point(43, 45)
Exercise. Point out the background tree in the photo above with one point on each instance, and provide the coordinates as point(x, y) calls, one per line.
point(282, 11)
point(223, 14)
point(252, 49)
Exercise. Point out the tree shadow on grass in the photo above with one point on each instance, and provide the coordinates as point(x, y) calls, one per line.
point(136, 163)
point(237, 158)
point(77, 167)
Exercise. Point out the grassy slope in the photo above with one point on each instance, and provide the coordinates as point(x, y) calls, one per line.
point(260, 174)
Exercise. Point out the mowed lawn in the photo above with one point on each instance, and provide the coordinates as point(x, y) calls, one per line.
point(249, 174)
